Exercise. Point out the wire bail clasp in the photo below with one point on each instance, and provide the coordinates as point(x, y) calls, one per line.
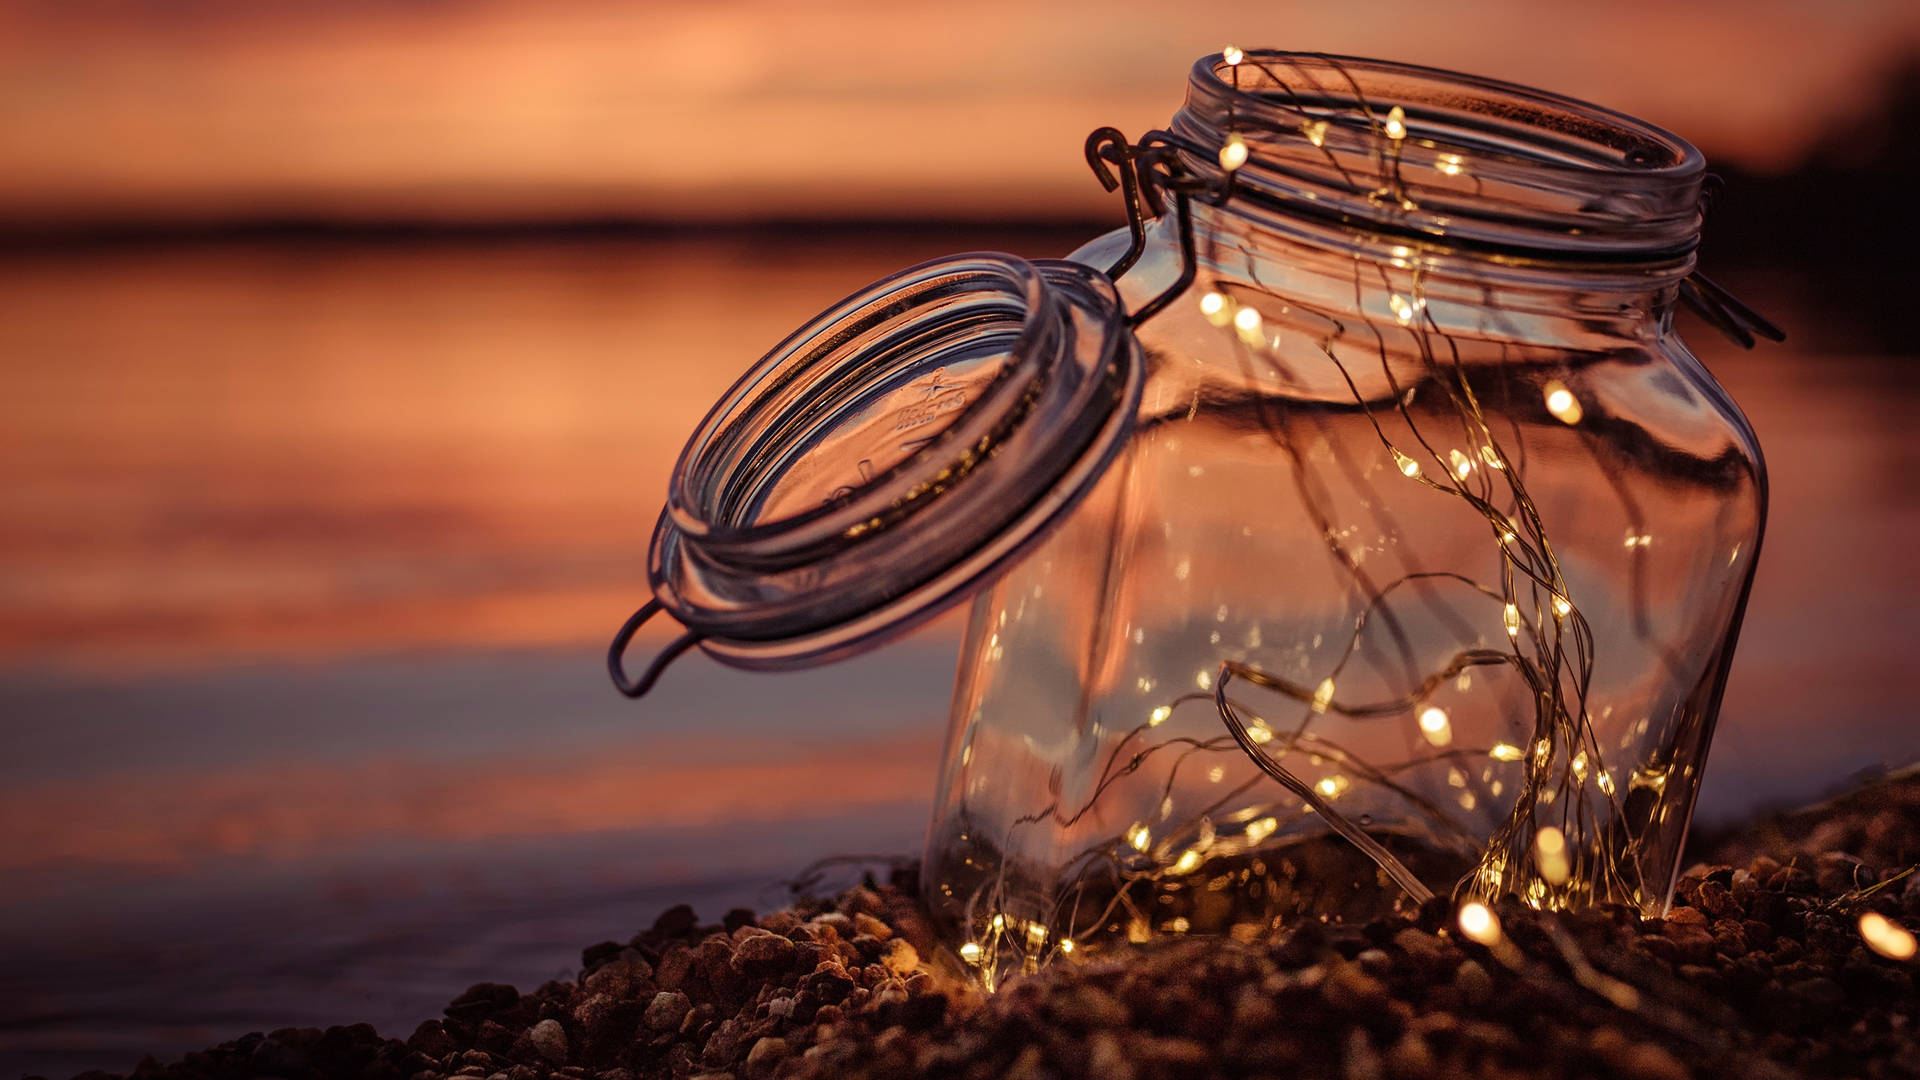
point(617, 652)
point(1145, 170)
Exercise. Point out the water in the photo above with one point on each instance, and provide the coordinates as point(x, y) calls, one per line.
point(310, 552)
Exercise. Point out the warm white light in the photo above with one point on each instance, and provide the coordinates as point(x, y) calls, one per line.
point(1212, 303)
point(1187, 863)
point(1462, 465)
point(970, 952)
point(1323, 695)
point(1247, 321)
point(1479, 923)
point(1562, 606)
point(1492, 457)
point(1331, 787)
point(1434, 724)
point(1234, 153)
point(1449, 164)
point(1259, 732)
point(1139, 837)
point(1562, 404)
point(1159, 716)
point(1550, 855)
point(1403, 309)
point(1886, 937)
point(1505, 752)
point(1232, 55)
point(1396, 123)
point(1510, 617)
point(1407, 465)
point(1317, 132)
point(1066, 945)
point(1261, 829)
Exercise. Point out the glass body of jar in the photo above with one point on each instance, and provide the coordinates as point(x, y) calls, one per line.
point(1421, 473)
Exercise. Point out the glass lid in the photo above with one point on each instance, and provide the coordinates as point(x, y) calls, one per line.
point(875, 466)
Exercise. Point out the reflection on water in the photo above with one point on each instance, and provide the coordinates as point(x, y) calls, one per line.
point(307, 554)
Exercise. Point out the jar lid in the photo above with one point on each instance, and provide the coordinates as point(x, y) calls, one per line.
point(888, 456)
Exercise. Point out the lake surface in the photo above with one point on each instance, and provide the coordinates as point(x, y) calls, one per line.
point(310, 552)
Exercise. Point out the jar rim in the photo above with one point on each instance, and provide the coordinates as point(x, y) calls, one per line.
point(1454, 160)
point(1051, 381)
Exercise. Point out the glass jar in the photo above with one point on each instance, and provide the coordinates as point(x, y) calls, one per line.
point(1421, 566)
point(1373, 538)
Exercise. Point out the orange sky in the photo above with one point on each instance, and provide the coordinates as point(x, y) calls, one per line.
point(503, 108)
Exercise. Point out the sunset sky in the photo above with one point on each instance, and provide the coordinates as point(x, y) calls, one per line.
point(503, 109)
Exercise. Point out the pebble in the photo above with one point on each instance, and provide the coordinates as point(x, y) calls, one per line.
point(549, 1039)
point(667, 1010)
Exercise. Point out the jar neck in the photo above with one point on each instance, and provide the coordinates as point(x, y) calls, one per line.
point(1319, 277)
point(1366, 176)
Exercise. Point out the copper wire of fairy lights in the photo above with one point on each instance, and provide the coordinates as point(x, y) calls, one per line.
point(1552, 848)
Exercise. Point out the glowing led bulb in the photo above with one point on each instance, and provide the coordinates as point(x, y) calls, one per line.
point(1550, 854)
point(1212, 304)
point(1139, 837)
point(1562, 606)
point(1331, 787)
point(1187, 863)
point(1234, 153)
point(1492, 457)
point(1407, 465)
point(1066, 945)
point(1247, 322)
point(1462, 465)
point(1562, 404)
point(1232, 55)
point(1159, 716)
point(1434, 725)
point(1510, 617)
point(1316, 132)
point(1396, 123)
point(1886, 937)
point(1259, 732)
point(1479, 923)
point(1505, 752)
point(1261, 829)
point(970, 952)
point(1403, 309)
point(1449, 164)
point(1323, 695)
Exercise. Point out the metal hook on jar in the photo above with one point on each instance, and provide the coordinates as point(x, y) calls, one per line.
point(616, 653)
point(1159, 170)
point(1107, 145)
point(1708, 299)
point(1726, 312)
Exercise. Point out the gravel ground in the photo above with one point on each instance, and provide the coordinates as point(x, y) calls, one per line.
point(1760, 970)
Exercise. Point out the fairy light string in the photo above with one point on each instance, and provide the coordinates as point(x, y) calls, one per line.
point(1552, 846)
